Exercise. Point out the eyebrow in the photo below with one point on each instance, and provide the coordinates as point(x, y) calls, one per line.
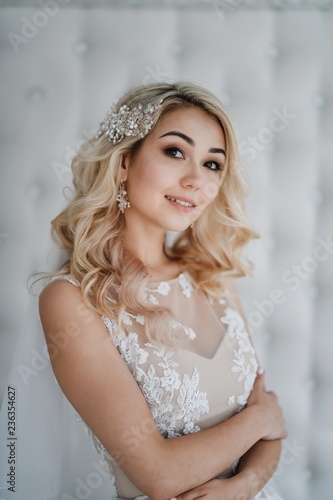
point(191, 141)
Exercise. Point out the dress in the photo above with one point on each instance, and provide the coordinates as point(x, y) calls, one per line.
point(181, 386)
point(188, 389)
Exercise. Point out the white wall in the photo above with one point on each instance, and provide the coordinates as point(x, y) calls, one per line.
point(57, 81)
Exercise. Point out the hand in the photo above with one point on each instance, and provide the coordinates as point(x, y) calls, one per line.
point(217, 489)
point(269, 406)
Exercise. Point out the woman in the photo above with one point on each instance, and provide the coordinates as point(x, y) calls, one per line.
point(145, 335)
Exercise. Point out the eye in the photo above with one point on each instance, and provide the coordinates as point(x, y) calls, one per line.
point(213, 165)
point(174, 152)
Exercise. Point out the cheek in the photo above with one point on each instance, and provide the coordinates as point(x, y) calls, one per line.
point(148, 181)
point(210, 190)
point(154, 175)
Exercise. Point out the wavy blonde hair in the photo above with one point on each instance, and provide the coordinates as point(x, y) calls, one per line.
point(91, 227)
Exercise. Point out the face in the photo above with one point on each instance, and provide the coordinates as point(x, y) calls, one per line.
point(177, 172)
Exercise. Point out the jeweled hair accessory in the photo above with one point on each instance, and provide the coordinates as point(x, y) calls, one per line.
point(136, 122)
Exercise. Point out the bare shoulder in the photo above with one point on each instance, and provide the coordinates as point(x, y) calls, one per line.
point(59, 293)
point(65, 316)
point(62, 299)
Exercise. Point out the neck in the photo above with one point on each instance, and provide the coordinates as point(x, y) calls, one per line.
point(147, 245)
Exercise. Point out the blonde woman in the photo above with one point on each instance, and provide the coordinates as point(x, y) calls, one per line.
point(143, 327)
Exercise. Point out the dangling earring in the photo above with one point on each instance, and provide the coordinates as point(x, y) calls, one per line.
point(122, 199)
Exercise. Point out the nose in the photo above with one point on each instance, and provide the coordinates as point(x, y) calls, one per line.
point(192, 178)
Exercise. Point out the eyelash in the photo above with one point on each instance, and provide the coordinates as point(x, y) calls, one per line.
point(168, 151)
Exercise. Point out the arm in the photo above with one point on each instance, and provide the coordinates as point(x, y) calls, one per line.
point(258, 465)
point(255, 469)
point(99, 385)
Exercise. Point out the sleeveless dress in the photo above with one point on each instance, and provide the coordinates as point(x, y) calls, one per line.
point(204, 382)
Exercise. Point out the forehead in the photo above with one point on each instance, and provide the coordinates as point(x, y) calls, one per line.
point(193, 122)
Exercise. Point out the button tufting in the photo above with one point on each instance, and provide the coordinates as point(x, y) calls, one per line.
point(307, 474)
point(317, 197)
point(273, 52)
point(318, 100)
point(313, 292)
point(34, 191)
point(310, 384)
point(177, 48)
point(270, 243)
point(81, 48)
point(35, 95)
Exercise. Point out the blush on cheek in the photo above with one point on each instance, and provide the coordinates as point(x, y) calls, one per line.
point(159, 175)
point(210, 191)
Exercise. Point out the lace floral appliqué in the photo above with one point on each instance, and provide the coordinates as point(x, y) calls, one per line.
point(174, 415)
point(244, 361)
point(164, 289)
point(186, 285)
point(175, 402)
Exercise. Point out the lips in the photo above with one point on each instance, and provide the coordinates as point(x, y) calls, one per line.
point(182, 201)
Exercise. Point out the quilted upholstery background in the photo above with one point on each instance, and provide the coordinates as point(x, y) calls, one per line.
point(60, 70)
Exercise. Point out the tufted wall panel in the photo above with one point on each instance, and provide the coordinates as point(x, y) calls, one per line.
point(273, 69)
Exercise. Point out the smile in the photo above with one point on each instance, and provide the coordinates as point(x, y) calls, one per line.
point(180, 202)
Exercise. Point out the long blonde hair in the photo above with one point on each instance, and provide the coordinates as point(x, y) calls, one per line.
point(91, 227)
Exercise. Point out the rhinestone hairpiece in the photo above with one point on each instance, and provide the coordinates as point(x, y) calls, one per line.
point(136, 122)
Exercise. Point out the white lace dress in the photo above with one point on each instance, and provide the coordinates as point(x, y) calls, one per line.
point(190, 388)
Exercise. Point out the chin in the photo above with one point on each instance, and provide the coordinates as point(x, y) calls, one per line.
point(177, 224)
point(178, 228)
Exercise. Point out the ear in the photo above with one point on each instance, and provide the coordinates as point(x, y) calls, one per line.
point(124, 167)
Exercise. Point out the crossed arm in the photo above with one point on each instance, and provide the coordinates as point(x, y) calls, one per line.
point(101, 388)
point(256, 467)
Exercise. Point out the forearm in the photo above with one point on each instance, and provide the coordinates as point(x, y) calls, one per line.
point(258, 465)
point(256, 468)
point(191, 460)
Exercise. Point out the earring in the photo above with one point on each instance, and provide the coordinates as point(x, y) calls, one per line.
point(192, 225)
point(122, 199)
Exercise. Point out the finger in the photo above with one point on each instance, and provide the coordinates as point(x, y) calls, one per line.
point(258, 384)
point(260, 380)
